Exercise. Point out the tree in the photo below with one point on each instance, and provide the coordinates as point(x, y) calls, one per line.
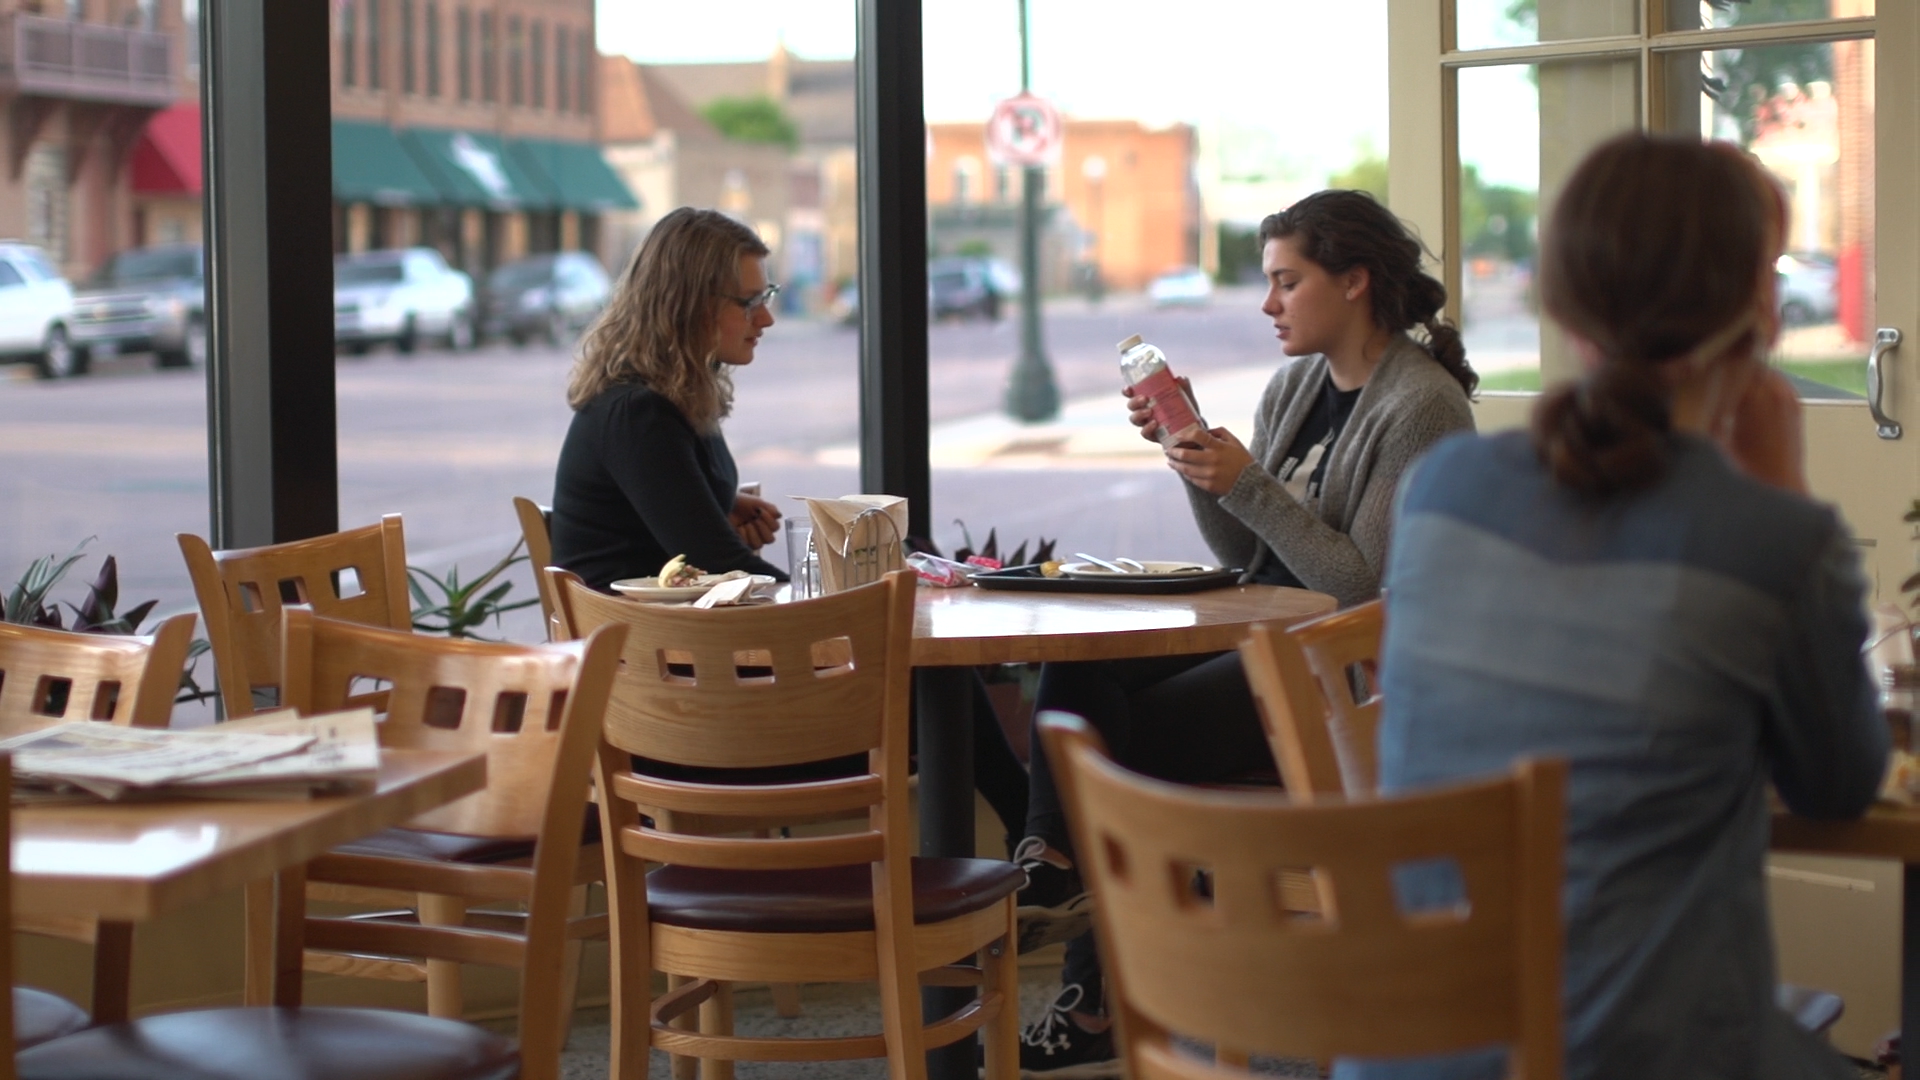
point(753, 119)
point(1742, 80)
point(1495, 220)
point(1368, 174)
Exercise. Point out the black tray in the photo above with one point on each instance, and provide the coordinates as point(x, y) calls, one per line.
point(1030, 579)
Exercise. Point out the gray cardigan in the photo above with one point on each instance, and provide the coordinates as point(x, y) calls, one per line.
point(1407, 405)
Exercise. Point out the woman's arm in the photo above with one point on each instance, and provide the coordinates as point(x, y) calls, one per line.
point(1825, 736)
point(652, 455)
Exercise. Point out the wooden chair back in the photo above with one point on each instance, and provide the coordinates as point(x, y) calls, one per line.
point(49, 676)
point(241, 593)
point(1317, 685)
point(507, 701)
point(536, 527)
point(1198, 943)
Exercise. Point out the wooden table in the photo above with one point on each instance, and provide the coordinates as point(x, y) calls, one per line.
point(131, 862)
point(954, 629)
point(1886, 832)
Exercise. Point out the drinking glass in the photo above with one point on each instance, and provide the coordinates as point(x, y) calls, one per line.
point(803, 564)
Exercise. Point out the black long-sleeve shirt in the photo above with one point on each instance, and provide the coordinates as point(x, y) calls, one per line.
point(637, 485)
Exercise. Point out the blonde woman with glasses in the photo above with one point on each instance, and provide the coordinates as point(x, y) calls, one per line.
point(645, 473)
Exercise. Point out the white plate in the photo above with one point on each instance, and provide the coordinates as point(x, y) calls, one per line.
point(1152, 570)
point(648, 590)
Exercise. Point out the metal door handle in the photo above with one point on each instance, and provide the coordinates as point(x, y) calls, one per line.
point(1885, 340)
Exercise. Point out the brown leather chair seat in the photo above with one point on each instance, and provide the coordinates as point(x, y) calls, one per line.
point(41, 1017)
point(830, 900)
point(452, 847)
point(277, 1044)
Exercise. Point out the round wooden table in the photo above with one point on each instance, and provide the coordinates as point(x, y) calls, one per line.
point(955, 629)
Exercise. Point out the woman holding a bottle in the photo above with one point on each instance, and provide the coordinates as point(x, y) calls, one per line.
point(1306, 502)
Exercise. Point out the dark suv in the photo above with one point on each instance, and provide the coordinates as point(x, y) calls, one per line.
point(150, 299)
point(969, 287)
point(552, 296)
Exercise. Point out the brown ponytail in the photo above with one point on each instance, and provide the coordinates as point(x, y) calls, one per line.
point(1344, 230)
point(1651, 250)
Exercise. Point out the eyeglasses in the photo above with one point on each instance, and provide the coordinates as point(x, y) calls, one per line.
point(750, 304)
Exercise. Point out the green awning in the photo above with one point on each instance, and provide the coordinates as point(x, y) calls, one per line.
point(472, 168)
point(574, 175)
point(370, 166)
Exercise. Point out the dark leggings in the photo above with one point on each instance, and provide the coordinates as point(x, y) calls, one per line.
point(1188, 719)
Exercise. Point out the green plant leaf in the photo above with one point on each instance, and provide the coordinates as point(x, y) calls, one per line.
point(26, 603)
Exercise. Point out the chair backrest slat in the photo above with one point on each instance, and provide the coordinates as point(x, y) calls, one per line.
point(536, 527)
point(1200, 943)
point(51, 676)
point(1317, 687)
point(507, 701)
point(242, 591)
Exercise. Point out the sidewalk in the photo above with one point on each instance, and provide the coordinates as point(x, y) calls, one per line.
point(1089, 433)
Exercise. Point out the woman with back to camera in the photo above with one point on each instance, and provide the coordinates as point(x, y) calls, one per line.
point(1308, 503)
point(645, 473)
point(1641, 586)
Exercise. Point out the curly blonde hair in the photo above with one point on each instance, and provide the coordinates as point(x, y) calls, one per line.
point(658, 327)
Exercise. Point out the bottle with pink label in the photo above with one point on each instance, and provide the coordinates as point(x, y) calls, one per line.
point(1145, 369)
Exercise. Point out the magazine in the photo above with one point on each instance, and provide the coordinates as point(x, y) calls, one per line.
point(274, 755)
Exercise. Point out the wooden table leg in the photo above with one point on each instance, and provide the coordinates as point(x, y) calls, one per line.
point(289, 936)
point(945, 719)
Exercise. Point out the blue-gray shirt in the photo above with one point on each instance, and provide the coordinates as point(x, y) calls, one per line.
point(1681, 647)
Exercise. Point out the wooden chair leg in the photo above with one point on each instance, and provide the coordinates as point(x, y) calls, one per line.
point(444, 996)
point(683, 1067)
point(786, 999)
point(112, 972)
point(570, 961)
point(1000, 968)
point(258, 989)
point(716, 1018)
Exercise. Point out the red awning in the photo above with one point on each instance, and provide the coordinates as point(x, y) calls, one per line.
point(166, 160)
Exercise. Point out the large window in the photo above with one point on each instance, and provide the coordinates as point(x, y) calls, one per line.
point(516, 63)
point(1145, 224)
point(375, 74)
point(537, 53)
point(463, 53)
point(561, 54)
point(349, 43)
point(433, 48)
point(489, 59)
point(407, 46)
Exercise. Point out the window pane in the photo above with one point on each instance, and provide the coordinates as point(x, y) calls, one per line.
point(102, 379)
point(1806, 111)
point(1490, 24)
point(1147, 225)
point(1522, 130)
point(1694, 14)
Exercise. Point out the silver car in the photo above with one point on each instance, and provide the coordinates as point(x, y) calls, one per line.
point(150, 299)
point(403, 297)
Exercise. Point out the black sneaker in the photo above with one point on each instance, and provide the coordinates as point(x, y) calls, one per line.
point(1054, 905)
point(1056, 1048)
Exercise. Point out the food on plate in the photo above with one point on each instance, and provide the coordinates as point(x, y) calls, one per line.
point(677, 574)
point(1051, 568)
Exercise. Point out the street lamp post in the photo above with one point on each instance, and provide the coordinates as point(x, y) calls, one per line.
point(1032, 394)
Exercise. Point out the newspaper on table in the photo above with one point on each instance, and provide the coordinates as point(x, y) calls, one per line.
point(275, 755)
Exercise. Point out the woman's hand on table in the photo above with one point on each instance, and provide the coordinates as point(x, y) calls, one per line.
point(1140, 409)
point(755, 519)
point(1209, 460)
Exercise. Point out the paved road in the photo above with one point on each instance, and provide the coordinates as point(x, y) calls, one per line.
point(447, 439)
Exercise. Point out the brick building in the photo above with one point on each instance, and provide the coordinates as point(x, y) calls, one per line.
point(1121, 198)
point(80, 80)
point(470, 126)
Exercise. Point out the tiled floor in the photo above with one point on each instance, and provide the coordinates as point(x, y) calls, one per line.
point(826, 1010)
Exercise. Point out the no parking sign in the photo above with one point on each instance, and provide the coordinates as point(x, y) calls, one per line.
point(1025, 130)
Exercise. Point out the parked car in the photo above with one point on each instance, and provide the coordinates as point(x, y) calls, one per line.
point(36, 309)
point(401, 296)
point(1809, 288)
point(969, 287)
point(553, 296)
point(1188, 286)
point(150, 299)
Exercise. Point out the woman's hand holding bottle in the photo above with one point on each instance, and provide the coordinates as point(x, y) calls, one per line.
point(1140, 409)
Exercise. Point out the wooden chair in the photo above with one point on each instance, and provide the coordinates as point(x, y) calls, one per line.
point(1317, 687)
point(1198, 943)
point(536, 529)
point(768, 687)
point(241, 593)
point(52, 676)
point(449, 694)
